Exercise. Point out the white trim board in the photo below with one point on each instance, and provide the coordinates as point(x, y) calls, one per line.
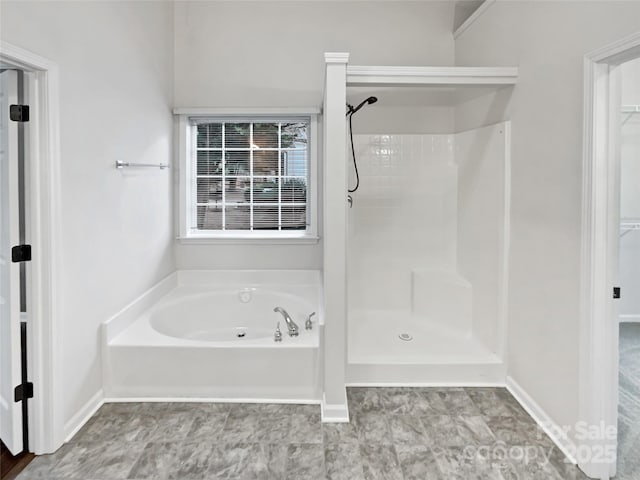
point(46, 429)
point(333, 413)
point(478, 12)
point(358, 75)
point(246, 111)
point(280, 401)
point(629, 318)
point(83, 415)
point(545, 422)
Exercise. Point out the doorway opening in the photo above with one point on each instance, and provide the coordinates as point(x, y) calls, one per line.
point(600, 263)
point(628, 465)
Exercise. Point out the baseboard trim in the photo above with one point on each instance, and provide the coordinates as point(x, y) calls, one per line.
point(83, 415)
point(426, 384)
point(334, 412)
point(550, 427)
point(294, 401)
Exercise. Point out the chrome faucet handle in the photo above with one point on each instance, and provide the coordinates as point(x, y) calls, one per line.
point(309, 324)
point(277, 337)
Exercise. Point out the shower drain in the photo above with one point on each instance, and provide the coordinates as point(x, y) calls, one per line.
point(241, 334)
point(405, 336)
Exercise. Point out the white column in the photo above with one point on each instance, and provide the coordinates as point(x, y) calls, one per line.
point(334, 399)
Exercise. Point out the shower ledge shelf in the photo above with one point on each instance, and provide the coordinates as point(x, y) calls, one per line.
point(359, 76)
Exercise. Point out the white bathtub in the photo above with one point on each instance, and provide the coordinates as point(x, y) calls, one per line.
point(209, 335)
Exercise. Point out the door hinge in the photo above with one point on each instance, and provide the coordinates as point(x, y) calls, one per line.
point(19, 113)
point(21, 253)
point(23, 391)
point(616, 292)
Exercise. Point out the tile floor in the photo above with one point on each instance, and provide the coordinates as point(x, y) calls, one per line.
point(395, 433)
point(629, 403)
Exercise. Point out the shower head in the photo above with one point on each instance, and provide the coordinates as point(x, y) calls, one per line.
point(351, 110)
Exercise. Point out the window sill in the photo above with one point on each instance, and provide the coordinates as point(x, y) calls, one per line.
point(248, 240)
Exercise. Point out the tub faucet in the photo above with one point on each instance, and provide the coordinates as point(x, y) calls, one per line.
point(291, 325)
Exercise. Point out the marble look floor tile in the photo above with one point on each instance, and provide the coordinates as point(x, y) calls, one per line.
point(364, 400)
point(99, 460)
point(407, 430)
point(380, 462)
point(207, 426)
point(108, 409)
point(259, 409)
point(43, 467)
point(240, 428)
point(249, 462)
point(417, 462)
point(339, 433)
point(464, 463)
point(305, 462)
point(224, 461)
point(434, 401)
point(156, 459)
point(404, 401)
point(395, 433)
point(372, 428)
point(442, 431)
point(458, 402)
point(195, 408)
point(511, 430)
point(80, 461)
point(343, 461)
point(512, 404)
point(474, 430)
point(274, 428)
point(565, 468)
point(305, 429)
point(103, 427)
point(531, 470)
point(117, 459)
point(170, 427)
point(193, 461)
point(489, 402)
point(303, 409)
point(275, 458)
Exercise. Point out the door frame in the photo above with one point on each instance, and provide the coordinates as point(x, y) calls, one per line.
point(600, 237)
point(43, 223)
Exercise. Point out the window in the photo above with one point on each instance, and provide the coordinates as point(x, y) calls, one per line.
point(248, 177)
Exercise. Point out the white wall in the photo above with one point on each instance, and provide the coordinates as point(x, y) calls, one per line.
point(115, 95)
point(630, 194)
point(270, 54)
point(547, 40)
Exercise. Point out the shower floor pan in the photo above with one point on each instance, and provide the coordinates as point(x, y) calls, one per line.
point(435, 355)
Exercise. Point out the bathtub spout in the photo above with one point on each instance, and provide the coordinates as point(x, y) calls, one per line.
point(291, 325)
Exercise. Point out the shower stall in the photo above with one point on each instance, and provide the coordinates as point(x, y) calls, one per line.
point(426, 240)
point(420, 295)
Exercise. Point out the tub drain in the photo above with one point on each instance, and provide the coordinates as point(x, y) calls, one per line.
point(241, 334)
point(405, 336)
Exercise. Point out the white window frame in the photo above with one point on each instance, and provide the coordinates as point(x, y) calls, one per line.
point(186, 174)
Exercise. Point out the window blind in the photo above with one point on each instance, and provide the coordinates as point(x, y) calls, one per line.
point(251, 175)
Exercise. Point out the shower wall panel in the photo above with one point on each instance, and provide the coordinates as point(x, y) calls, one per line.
point(481, 156)
point(403, 216)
